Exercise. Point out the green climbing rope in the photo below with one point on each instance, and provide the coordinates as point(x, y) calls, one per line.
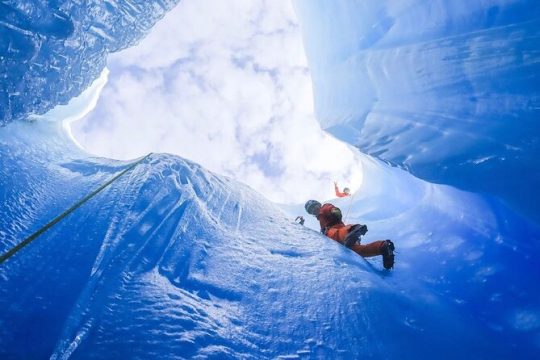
point(57, 219)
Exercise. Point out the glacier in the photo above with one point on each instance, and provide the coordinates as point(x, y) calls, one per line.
point(448, 90)
point(173, 261)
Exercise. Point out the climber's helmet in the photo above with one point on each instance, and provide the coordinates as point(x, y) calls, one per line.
point(313, 207)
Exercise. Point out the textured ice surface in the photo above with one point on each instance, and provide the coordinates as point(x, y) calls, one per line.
point(52, 50)
point(449, 90)
point(172, 261)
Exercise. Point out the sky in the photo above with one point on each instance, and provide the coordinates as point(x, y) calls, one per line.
point(225, 84)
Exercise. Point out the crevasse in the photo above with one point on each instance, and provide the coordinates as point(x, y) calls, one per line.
point(172, 261)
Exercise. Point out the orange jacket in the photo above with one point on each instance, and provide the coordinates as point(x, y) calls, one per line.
point(339, 193)
point(328, 216)
point(339, 232)
point(331, 224)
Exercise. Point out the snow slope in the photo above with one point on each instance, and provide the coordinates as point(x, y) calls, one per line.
point(173, 261)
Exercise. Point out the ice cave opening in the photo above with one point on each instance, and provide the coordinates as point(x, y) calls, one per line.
point(172, 260)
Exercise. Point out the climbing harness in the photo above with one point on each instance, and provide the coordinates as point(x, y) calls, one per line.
point(57, 219)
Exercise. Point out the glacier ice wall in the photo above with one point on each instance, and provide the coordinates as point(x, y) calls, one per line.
point(449, 90)
point(173, 261)
point(50, 51)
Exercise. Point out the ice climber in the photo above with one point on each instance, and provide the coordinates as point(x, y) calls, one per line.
point(329, 217)
point(346, 191)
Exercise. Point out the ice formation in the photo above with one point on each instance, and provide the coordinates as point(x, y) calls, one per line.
point(172, 261)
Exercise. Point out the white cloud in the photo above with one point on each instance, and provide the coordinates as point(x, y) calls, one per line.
point(225, 84)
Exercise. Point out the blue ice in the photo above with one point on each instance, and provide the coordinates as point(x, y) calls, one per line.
point(173, 261)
